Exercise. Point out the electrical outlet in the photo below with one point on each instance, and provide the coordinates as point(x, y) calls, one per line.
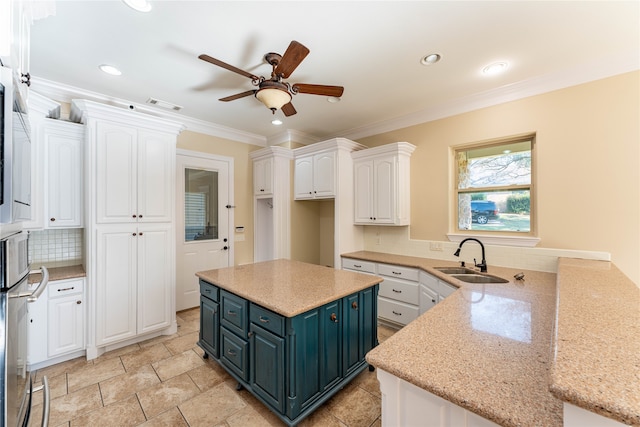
point(435, 246)
point(377, 238)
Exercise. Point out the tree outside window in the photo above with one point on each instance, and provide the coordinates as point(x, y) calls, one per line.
point(494, 187)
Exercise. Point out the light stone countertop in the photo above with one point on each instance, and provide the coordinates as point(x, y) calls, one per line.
point(597, 341)
point(60, 273)
point(486, 348)
point(288, 287)
point(583, 346)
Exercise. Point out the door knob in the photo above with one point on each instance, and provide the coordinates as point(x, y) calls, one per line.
point(225, 248)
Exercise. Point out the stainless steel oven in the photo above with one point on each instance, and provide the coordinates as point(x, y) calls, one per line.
point(16, 388)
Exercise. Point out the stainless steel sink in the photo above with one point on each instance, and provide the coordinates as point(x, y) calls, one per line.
point(455, 270)
point(479, 278)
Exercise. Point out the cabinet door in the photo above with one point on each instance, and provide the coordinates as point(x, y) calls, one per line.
point(267, 367)
point(209, 326)
point(384, 191)
point(352, 321)
point(155, 176)
point(331, 343)
point(155, 277)
point(116, 169)
point(363, 177)
point(66, 325)
point(324, 175)
point(64, 179)
point(303, 178)
point(37, 329)
point(116, 266)
point(263, 177)
point(428, 298)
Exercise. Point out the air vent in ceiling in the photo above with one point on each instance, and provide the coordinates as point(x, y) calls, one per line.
point(164, 104)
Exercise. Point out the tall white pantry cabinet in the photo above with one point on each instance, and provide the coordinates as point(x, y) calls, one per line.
point(130, 161)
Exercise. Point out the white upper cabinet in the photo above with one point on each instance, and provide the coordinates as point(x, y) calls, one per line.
point(315, 176)
point(57, 175)
point(263, 177)
point(382, 184)
point(134, 174)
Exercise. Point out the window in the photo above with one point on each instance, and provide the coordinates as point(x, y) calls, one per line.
point(494, 187)
point(200, 205)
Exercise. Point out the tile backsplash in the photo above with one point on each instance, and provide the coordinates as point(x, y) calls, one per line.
point(56, 248)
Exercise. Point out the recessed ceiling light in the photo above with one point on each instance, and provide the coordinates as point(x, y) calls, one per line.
point(276, 122)
point(110, 69)
point(333, 99)
point(430, 59)
point(495, 68)
point(139, 5)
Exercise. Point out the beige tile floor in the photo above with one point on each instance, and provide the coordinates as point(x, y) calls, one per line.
point(166, 382)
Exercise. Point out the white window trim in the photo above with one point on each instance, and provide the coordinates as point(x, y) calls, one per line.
point(490, 239)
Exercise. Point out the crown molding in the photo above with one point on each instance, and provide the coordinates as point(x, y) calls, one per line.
point(65, 93)
point(598, 69)
point(292, 136)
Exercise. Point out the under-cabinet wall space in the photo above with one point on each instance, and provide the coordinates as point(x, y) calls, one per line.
point(56, 248)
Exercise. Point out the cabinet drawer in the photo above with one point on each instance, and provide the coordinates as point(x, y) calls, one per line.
point(60, 288)
point(235, 313)
point(266, 319)
point(398, 272)
point(234, 353)
point(359, 265)
point(396, 311)
point(400, 290)
point(209, 291)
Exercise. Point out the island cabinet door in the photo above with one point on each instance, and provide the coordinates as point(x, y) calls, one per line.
point(359, 328)
point(314, 355)
point(266, 366)
point(209, 327)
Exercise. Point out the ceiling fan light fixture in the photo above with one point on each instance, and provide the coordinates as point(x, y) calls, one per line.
point(273, 98)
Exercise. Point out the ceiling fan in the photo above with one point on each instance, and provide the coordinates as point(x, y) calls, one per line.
point(273, 92)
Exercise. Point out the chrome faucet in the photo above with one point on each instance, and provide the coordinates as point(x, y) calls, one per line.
point(483, 263)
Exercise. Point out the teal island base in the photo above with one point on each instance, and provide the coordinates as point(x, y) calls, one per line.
point(291, 364)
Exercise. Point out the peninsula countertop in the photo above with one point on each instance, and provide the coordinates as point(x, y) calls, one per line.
point(486, 348)
point(288, 287)
point(582, 345)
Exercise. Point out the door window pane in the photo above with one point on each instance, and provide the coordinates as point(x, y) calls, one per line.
point(200, 204)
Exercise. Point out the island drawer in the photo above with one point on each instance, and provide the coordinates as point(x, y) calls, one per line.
point(397, 311)
point(234, 353)
point(235, 313)
point(400, 290)
point(359, 265)
point(209, 291)
point(398, 272)
point(266, 319)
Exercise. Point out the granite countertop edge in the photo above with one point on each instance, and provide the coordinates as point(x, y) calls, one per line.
point(567, 386)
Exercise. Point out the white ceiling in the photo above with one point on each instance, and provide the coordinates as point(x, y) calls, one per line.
point(372, 48)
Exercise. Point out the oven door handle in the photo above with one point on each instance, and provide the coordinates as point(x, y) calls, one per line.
point(45, 400)
point(42, 286)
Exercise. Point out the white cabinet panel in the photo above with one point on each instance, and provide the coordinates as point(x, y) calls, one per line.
point(116, 168)
point(154, 282)
point(155, 175)
point(116, 291)
point(65, 178)
point(315, 176)
point(382, 178)
point(66, 317)
point(263, 177)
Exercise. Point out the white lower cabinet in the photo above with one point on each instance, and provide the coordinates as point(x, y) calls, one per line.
point(433, 291)
point(134, 272)
point(57, 323)
point(399, 294)
point(404, 404)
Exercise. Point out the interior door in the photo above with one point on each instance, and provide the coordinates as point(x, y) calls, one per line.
point(203, 222)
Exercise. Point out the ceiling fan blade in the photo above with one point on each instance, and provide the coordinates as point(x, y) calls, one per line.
point(226, 66)
point(288, 109)
point(237, 96)
point(293, 56)
point(318, 89)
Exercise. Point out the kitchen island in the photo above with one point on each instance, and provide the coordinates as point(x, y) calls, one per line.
point(293, 334)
